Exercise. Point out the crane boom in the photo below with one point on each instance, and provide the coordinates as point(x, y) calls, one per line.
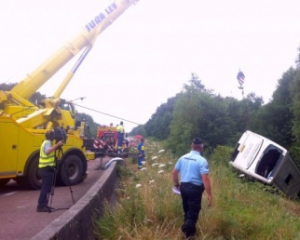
point(84, 39)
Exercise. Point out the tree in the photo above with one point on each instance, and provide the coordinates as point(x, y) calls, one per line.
point(274, 120)
point(236, 114)
point(295, 93)
point(198, 113)
point(159, 124)
point(197, 84)
point(298, 59)
point(139, 130)
point(7, 87)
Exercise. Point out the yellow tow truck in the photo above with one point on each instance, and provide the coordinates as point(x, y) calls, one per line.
point(23, 124)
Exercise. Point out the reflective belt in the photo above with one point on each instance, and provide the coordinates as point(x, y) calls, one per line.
point(46, 160)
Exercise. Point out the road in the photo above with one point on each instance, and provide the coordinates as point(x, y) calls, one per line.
point(18, 216)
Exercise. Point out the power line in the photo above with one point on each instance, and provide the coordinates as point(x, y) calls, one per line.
point(107, 114)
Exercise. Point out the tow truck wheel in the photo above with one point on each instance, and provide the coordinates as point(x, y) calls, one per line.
point(34, 179)
point(3, 182)
point(71, 170)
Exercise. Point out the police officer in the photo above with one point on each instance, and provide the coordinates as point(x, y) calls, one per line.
point(193, 169)
point(46, 170)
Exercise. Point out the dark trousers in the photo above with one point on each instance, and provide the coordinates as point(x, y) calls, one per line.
point(191, 195)
point(47, 174)
point(140, 159)
point(120, 139)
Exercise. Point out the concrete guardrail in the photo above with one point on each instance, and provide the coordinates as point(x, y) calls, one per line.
point(78, 221)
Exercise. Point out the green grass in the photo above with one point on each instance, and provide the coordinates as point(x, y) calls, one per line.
point(241, 209)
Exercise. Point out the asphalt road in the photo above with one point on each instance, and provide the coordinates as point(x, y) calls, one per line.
point(18, 216)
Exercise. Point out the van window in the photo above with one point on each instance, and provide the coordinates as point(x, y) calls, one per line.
point(269, 160)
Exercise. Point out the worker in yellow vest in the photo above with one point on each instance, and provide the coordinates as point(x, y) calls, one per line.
point(46, 170)
point(120, 130)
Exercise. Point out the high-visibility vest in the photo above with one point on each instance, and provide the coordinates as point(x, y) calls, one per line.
point(46, 160)
point(120, 129)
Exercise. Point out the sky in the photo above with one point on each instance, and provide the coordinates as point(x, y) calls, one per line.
point(151, 50)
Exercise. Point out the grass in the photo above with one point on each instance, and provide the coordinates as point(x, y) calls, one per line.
point(148, 209)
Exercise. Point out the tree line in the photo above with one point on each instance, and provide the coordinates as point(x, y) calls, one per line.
point(197, 111)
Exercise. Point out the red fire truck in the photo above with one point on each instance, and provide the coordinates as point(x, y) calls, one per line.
point(107, 141)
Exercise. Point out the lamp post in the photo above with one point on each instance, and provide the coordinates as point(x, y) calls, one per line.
point(241, 79)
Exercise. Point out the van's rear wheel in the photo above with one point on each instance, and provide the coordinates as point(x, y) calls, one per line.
point(71, 170)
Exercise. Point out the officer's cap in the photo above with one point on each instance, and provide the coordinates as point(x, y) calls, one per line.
point(197, 140)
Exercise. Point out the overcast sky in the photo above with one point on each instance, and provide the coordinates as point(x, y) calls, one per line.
point(149, 52)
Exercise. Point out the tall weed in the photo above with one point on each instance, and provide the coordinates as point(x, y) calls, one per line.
point(148, 209)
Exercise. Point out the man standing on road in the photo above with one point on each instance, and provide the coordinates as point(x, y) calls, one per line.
point(46, 170)
point(193, 169)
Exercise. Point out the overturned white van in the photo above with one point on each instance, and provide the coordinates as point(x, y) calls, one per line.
point(266, 161)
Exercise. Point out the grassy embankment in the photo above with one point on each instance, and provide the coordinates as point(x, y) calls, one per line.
point(149, 210)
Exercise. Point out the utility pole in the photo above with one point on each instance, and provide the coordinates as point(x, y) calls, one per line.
point(241, 79)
